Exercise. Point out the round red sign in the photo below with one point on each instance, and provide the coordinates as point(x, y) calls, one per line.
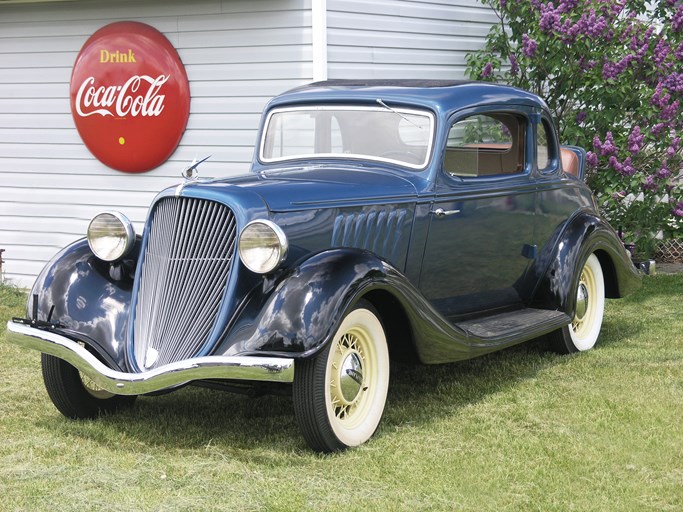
point(130, 97)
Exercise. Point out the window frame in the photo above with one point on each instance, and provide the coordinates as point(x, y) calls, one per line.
point(527, 154)
point(553, 164)
point(350, 156)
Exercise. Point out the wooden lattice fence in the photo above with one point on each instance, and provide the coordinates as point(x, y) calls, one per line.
point(670, 251)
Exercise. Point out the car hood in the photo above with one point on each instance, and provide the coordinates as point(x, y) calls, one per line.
point(315, 187)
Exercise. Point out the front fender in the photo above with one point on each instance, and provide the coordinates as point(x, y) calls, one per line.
point(302, 310)
point(583, 234)
point(91, 298)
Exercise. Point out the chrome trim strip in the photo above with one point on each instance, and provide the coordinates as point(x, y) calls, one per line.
point(269, 369)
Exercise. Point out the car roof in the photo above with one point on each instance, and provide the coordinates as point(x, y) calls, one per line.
point(438, 95)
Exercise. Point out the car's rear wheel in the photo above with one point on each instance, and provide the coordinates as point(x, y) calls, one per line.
point(339, 394)
point(74, 394)
point(582, 333)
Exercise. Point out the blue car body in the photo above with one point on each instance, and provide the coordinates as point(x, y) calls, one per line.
point(456, 266)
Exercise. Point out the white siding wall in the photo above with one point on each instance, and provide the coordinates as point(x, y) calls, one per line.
point(404, 38)
point(238, 54)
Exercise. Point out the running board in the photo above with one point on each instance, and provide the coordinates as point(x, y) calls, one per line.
point(512, 326)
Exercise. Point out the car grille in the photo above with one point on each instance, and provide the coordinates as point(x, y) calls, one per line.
point(185, 269)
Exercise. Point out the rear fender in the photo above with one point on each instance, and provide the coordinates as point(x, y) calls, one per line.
point(585, 233)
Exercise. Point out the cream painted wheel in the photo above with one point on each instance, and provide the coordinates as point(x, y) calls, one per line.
point(93, 389)
point(339, 395)
point(583, 332)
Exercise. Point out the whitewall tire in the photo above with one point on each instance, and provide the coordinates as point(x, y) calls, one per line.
point(340, 393)
point(582, 333)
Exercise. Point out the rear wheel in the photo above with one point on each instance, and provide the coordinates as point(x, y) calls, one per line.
point(74, 394)
point(339, 394)
point(583, 332)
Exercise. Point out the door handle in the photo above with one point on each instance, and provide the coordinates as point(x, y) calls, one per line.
point(440, 212)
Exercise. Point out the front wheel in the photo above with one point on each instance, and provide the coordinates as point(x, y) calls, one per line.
point(340, 393)
point(583, 332)
point(74, 394)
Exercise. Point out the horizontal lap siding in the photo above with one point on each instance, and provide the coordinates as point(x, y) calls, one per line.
point(404, 38)
point(238, 54)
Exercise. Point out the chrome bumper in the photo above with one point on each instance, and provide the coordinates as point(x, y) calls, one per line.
point(269, 369)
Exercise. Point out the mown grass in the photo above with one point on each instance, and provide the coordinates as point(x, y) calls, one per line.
point(522, 429)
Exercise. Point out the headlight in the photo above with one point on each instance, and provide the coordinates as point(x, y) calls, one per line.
point(110, 236)
point(262, 246)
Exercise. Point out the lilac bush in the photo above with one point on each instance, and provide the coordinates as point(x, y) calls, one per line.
point(612, 74)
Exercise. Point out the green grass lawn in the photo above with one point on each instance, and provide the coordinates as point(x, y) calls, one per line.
point(522, 429)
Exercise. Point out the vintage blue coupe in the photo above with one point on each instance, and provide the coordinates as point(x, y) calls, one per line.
point(423, 220)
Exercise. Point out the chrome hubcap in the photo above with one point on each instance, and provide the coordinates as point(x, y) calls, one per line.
point(351, 377)
point(581, 302)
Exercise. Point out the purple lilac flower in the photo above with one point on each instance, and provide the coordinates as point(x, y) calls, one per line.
point(678, 53)
point(673, 147)
point(487, 71)
point(649, 184)
point(628, 169)
point(677, 20)
point(657, 129)
point(670, 112)
point(567, 5)
point(674, 82)
point(592, 25)
point(617, 7)
point(660, 99)
point(625, 169)
point(581, 117)
point(641, 46)
point(586, 65)
point(678, 209)
point(662, 51)
point(618, 196)
point(635, 141)
point(529, 46)
point(514, 66)
point(503, 4)
point(607, 148)
point(591, 159)
point(663, 172)
point(611, 70)
point(550, 18)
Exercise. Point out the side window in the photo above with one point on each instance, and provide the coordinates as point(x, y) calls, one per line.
point(486, 145)
point(543, 146)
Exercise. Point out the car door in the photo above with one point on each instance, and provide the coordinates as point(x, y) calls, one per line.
point(481, 232)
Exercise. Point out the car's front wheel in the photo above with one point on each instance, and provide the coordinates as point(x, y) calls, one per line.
point(74, 394)
point(339, 394)
point(583, 332)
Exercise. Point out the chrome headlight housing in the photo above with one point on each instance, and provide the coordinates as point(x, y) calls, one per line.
point(262, 246)
point(110, 236)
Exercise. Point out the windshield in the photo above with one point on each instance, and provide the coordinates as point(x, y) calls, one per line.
point(381, 133)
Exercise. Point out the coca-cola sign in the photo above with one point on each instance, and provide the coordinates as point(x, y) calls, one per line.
point(130, 97)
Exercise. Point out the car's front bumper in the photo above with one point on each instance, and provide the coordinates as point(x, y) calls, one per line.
point(252, 368)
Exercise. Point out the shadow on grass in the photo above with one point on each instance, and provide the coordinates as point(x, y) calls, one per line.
point(196, 418)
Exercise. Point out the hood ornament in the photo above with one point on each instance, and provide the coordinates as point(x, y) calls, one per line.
point(191, 173)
